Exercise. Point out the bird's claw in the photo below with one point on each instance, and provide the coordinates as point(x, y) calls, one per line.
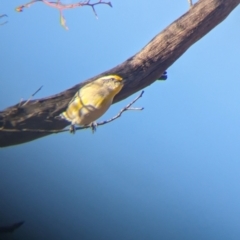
point(93, 126)
point(72, 129)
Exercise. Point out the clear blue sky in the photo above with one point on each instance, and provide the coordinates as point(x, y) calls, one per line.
point(168, 172)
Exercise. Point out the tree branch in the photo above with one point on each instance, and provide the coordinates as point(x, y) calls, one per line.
point(138, 71)
point(126, 108)
point(60, 6)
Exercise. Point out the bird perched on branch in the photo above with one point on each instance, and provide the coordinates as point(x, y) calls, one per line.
point(92, 101)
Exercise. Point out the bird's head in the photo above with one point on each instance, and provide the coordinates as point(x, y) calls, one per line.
point(114, 82)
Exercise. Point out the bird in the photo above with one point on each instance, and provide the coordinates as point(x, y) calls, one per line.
point(91, 101)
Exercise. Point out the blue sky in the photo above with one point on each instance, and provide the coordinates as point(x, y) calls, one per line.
point(168, 172)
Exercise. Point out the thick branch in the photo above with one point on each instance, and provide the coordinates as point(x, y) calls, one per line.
point(138, 71)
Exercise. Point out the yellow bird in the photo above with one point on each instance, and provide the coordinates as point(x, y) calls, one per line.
point(92, 101)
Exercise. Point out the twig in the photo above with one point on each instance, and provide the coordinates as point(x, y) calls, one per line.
point(94, 4)
point(60, 6)
point(128, 107)
point(3, 15)
point(190, 3)
point(32, 96)
point(3, 23)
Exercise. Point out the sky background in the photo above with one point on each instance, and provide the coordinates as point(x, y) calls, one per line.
point(171, 171)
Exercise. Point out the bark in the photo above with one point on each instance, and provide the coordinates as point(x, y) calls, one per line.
point(23, 123)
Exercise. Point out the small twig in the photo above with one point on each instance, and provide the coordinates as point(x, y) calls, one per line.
point(190, 3)
point(61, 6)
point(31, 97)
point(3, 23)
point(128, 107)
point(3, 15)
point(92, 5)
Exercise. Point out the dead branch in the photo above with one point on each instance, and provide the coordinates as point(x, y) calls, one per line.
point(60, 6)
point(138, 71)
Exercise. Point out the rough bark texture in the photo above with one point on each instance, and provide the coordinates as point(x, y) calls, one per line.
point(20, 124)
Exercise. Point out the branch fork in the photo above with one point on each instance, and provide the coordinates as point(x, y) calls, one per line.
point(61, 7)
